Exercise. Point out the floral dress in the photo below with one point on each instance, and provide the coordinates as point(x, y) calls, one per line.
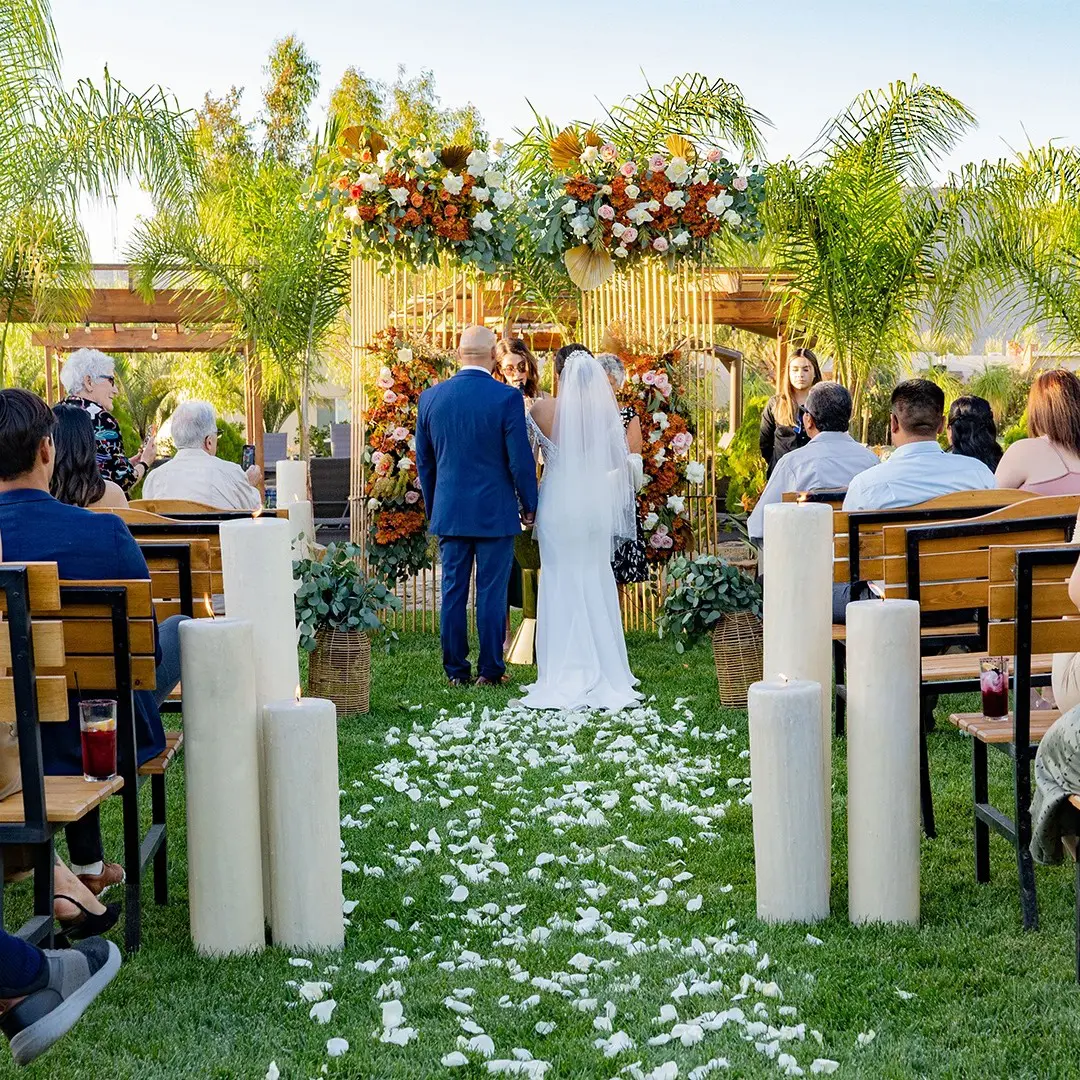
point(111, 459)
point(629, 564)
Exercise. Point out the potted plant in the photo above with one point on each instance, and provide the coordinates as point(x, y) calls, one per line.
point(707, 595)
point(338, 608)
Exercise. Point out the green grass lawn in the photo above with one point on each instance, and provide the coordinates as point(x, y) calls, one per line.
point(989, 1000)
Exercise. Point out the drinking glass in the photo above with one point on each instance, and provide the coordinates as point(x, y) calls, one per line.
point(97, 725)
point(994, 684)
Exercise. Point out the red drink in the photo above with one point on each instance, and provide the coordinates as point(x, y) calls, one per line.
point(994, 684)
point(99, 752)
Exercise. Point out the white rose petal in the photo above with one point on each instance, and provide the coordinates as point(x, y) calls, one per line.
point(865, 1038)
point(824, 1066)
point(459, 895)
point(392, 1013)
point(694, 904)
point(336, 1047)
point(321, 1011)
point(273, 1072)
point(454, 1060)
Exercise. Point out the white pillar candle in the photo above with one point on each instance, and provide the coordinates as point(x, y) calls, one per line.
point(304, 824)
point(291, 482)
point(302, 528)
point(221, 774)
point(883, 761)
point(791, 860)
point(256, 567)
point(798, 609)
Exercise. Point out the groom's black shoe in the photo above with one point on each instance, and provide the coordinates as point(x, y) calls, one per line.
point(460, 682)
point(485, 681)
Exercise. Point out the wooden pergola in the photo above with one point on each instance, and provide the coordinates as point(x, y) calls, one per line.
point(117, 319)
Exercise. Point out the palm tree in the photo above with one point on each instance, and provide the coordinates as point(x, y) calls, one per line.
point(58, 147)
point(860, 227)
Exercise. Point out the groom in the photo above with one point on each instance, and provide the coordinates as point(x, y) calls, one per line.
point(475, 466)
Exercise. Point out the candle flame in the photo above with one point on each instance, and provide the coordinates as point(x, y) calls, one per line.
point(209, 605)
point(782, 677)
point(257, 514)
point(298, 693)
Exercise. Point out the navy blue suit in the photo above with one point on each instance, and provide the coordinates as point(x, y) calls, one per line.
point(475, 466)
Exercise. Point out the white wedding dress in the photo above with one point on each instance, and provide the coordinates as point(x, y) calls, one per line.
point(586, 509)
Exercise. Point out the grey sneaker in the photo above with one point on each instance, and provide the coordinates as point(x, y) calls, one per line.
point(76, 976)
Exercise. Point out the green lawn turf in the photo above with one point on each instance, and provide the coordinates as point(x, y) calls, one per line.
point(990, 1001)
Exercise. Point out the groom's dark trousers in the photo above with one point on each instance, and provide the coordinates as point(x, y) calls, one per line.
point(477, 474)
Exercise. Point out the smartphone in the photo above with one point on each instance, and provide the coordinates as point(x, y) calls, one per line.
point(247, 457)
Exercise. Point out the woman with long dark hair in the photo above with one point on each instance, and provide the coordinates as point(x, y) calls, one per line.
point(76, 478)
point(782, 426)
point(973, 432)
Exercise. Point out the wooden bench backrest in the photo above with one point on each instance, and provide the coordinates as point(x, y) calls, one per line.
point(833, 498)
point(47, 634)
point(1039, 577)
point(864, 529)
point(181, 577)
point(167, 507)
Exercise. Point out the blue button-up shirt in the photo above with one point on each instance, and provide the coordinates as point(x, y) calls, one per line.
point(827, 462)
point(914, 473)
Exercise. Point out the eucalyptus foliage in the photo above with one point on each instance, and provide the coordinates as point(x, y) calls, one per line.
point(701, 592)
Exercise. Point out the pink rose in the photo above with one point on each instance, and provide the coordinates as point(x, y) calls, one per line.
point(660, 243)
point(657, 163)
point(666, 542)
point(389, 397)
point(713, 155)
point(681, 443)
point(649, 378)
point(661, 530)
point(739, 183)
point(628, 169)
point(412, 497)
point(629, 236)
point(663, 384)
point(401, 434)
point(606, 212)
point(656, 540)
point(385, 465)
point(608, 152)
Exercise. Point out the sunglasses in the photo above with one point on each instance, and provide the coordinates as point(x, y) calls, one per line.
point(521, 365)
point(110, 379)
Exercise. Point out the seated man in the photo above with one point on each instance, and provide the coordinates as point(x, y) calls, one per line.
point(196, 474)
point(918, 468)
point(86, 546)
point(828, 461)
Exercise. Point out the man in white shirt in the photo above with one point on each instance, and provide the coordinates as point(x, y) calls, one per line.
point(828, 462)
point(196, 474)
point(918, 468)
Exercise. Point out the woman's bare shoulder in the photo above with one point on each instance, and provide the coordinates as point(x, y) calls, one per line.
point(114, 497)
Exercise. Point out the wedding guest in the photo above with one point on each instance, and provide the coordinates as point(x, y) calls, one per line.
point(1057, 776)
point(782, 427)
point(973, 432)
point(1048, 462)
point(89, 376)
point(1065, 672)
point(43, 992)
point(918, 469)
point(518, 368)
point(76, 478)
point(829, 461)
point(630, 564)
point(196, 473)
point(86, 547)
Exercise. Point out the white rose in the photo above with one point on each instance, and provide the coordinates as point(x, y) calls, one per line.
point(718, 204)
point(411, 444)
point(477, 163)
point(660, 457)
point(581, 224)
point(400, 195)
point(661, 420)
point(677, 170)
point(632, 191)
point(639, 214)
point(605, 189)
point(373, 504)
point(383, 159)
point(701, 176)
point(589, 155)
point(482, 221)
point(653, 205)
point(569, 207)
point(695, 472)
point(352, 213)
point(732, 217)
point(502, 199)
point(481, 194)
point(497, 147)
point(404, 356)
point(452, 183)
point(425, 158)
point(676, 503)
point(655, 436)
point(650, 522)
point(404, 465)
point(618, 229)
point(620, 253)
point(675, 199)
point(681, 239)
point(369, 181)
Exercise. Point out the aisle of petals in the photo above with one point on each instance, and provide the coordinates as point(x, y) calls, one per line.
point(542, 885)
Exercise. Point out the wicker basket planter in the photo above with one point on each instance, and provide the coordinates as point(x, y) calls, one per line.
point(738, 650)
point(739, 554)
point(340, 670)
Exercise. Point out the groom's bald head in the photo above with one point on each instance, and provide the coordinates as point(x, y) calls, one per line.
point(477, 346)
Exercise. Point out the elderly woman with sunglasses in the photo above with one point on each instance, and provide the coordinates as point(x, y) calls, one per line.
point(89, 377)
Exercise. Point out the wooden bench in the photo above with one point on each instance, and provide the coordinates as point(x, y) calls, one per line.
point(1030, 613)
point(168, 507)
point(33, 690)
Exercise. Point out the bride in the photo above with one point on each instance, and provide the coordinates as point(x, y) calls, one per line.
point(586, 510)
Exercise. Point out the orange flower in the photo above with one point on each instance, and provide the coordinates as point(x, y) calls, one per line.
point(581, 189)
point(412, 219)
point(451, 211)
point(416, 199)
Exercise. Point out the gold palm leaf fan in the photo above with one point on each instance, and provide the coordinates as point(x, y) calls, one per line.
point(592, 139)
point(588, 268)
point(455, 158)
point(565, 149)
point(680, 146)
point(376, 143)
point(613, 339)
point(349, 141)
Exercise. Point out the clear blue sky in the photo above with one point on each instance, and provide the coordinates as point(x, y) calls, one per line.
point(1014, 64)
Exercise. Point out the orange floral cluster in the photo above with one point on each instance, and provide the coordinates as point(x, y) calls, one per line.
point(397, 524)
